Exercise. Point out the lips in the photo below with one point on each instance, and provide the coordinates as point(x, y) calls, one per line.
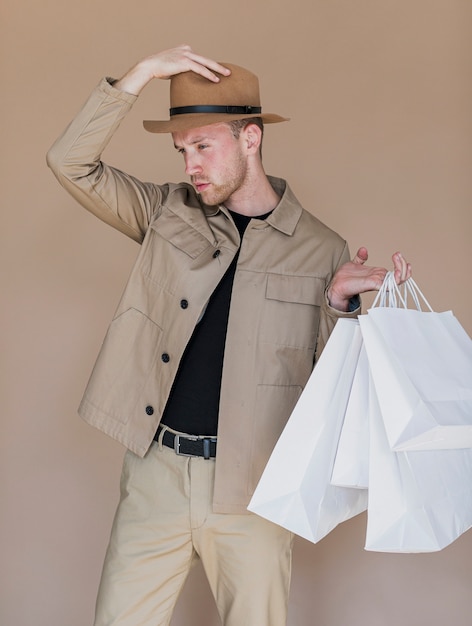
point(200, 186)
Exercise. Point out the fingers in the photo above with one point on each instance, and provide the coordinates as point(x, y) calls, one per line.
point(361, 256)
point(179, 60)
point(402, 269)
point(208, 68)
point(202, 65)
point(166, 64)
point(375, 275)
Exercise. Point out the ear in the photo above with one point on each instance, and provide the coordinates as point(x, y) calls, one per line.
point(252, 138)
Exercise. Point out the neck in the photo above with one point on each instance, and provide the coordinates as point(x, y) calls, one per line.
point(256, 197)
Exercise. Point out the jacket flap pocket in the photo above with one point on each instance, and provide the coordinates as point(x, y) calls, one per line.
point(301, 289)
point(180, 235)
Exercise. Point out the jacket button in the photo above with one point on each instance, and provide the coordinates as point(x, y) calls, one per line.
point(184, 304)
point(149, 410)
point(165, 357)
point(216, 254)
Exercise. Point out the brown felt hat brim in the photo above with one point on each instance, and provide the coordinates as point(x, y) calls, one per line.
point(196, 120)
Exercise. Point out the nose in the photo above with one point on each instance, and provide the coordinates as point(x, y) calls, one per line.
point(192, 165)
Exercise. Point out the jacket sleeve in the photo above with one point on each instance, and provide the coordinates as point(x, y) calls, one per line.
point(330, 316)
point(118, 199)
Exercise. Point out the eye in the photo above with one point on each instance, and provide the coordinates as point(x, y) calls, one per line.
point(202, 146)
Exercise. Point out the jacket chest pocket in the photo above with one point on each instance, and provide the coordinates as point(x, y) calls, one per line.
point(171, 247)
point(292, 310)
point(180, 235)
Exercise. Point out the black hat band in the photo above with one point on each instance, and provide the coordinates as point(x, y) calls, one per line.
point(208, 108)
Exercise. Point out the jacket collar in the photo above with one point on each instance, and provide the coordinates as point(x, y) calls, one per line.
point(287, 213)
point(283, 218)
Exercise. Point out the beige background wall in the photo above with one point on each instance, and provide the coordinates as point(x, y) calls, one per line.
point(379, 147)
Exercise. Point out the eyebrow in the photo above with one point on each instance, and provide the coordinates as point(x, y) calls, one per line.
point(194, 141)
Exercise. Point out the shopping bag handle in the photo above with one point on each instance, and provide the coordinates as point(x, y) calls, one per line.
point(391, 295)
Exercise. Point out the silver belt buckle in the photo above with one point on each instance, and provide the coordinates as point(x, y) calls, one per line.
point(177, 444)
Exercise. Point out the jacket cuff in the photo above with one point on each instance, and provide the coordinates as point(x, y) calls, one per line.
point(355, 305)
point(106, 86)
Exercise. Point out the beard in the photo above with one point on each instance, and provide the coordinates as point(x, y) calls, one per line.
point(218, 194)
point(228, 182)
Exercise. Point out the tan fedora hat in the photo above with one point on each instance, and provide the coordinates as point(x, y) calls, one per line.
point(196, 101)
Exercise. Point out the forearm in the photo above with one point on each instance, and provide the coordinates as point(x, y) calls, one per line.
point(75, 158)
point(78, 150)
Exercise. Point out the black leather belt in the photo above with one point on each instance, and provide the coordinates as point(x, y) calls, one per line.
point(189, 445)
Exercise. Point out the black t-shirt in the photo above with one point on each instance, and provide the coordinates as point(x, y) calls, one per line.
point(193, 403)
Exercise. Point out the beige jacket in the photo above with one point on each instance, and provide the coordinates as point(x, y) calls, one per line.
point(279, 314)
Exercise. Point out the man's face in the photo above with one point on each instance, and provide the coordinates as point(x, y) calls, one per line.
point(214, 160)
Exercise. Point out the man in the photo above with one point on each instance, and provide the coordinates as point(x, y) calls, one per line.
point(233, 295)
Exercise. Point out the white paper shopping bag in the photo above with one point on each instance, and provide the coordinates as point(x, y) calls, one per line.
point(419, 501)
point(294, 490)
point(351, 464)
point(421, 364)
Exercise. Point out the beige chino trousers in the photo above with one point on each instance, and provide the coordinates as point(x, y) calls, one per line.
point(163, 524)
